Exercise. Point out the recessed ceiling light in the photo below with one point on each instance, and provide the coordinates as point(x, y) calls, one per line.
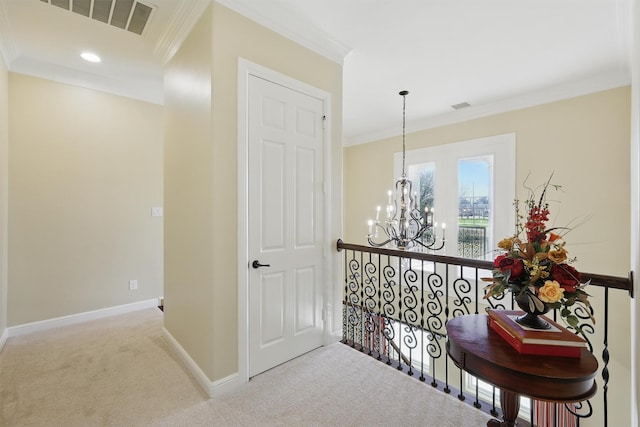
point(91, 57)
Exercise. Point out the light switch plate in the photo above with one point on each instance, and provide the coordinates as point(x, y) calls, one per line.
point(157, 211)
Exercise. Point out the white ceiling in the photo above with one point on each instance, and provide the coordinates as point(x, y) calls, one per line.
point(494, 54)
point(44, 40)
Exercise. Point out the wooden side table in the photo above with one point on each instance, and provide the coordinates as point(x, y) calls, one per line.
point(476, 348)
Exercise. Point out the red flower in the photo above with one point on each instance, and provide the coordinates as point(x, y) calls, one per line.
point(535, 226)
point(504, 263)
point(567, 276)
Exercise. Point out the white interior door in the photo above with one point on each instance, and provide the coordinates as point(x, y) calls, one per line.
point(285, 223)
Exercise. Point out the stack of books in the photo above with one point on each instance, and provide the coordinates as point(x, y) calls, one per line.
point(556, 341)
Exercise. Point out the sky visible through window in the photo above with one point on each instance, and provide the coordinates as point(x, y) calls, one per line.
point(474, 177)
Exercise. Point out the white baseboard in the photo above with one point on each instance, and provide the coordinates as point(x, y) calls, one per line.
point(211, 388)
point(43, 325)
point(191, 366)
point(3, 338)
point(226, 384)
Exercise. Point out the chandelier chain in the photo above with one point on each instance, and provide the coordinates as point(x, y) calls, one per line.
point(404, 106)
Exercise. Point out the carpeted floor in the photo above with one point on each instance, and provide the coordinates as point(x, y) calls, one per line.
point(331, 386)
point(119, 372)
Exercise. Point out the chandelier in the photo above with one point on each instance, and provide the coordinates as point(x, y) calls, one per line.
point(405, 226)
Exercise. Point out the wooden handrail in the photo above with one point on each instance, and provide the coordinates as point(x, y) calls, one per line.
point(601, 280)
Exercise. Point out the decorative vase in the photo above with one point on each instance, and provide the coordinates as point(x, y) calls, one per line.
point(533, 308)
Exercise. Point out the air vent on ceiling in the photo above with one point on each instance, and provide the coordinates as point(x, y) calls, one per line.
point(461, 105)
point(130, 15)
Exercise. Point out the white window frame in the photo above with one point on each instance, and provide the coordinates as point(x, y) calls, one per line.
point(503, 150)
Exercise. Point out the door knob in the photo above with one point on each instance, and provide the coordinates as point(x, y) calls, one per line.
point(256, 264)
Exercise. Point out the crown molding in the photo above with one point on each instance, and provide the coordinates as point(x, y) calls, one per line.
point(531, 99)
point(7, 45)
point(622, 13)
point(179, 28)
point(285, 23)
point(146, 90)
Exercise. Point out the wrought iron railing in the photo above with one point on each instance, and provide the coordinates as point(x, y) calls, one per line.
point(397, 303)
point(472, 241)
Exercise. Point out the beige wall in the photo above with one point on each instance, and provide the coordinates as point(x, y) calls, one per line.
point(585, 141)
point(635, 208)
point(201, 233)
point(4, 177)
point(188, 229)
point(85, 169)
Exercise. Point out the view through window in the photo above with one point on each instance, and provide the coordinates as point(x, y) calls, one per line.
point(471, 187)
point(475, 180)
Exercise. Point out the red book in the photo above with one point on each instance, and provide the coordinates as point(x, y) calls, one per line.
point(557, 341)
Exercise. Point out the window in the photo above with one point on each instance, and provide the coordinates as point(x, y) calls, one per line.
point(471, 187)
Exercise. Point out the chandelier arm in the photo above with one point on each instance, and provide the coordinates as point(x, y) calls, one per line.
point(432, 246)
point(422, 244)
point(391, 231)
point(378, 245)
point(385, 230)
point(442, 242)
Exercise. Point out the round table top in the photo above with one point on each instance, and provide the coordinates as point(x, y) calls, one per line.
point(476, 348)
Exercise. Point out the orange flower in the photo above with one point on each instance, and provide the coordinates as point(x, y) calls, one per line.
point(551, 292)
point(553, 236)
point(506, 244)
point(541, 256)
point(558, 255)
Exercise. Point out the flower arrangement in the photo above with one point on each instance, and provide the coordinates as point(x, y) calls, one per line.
point(535, 260)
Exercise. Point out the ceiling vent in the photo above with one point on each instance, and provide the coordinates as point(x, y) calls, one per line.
point(461, 106)
point(130, 15)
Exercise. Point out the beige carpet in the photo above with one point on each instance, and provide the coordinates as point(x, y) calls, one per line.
point(331, 386)
point(117, 371)
point(120, 372)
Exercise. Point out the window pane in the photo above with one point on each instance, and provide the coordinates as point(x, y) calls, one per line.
point(474, 205)
point(422, 175)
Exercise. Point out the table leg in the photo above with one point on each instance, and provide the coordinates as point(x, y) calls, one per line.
point(510, 403)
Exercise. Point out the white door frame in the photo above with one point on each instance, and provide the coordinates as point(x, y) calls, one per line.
point(245, 70)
